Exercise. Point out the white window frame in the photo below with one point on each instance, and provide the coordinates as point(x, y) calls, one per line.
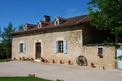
point(56, 22)
point(39, 25)
point(25, 27)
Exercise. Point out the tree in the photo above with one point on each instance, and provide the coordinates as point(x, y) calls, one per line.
point(20, 27)
point(6, 41)
point(7, 30)
point(106, 15)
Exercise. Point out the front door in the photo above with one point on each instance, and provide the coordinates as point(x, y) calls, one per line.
point(38, 50)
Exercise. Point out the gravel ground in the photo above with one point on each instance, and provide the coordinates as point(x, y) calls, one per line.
point(56, 71)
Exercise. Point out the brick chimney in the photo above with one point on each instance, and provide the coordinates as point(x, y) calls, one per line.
point(46, 18)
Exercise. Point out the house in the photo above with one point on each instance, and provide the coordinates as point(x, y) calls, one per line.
point(65, 41)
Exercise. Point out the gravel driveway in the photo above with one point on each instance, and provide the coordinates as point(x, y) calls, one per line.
point(56, 71)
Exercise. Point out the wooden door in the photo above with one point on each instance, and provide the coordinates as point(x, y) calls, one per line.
point(38, 50)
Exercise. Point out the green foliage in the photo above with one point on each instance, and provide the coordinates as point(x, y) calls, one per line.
point(106, 15)
point(5, 45)
point(22, 79)
point(20, 27)
point(2, 61)
point(119, 58)
point(7, 30)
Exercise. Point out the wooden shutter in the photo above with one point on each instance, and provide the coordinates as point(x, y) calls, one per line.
point(65, 46)
point(19, 48)
point(24, 47)
point(55, 47)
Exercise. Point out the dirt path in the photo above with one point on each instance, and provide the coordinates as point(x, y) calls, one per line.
point(55, 71)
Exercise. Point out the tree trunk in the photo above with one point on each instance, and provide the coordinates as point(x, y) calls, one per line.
point(116, 38)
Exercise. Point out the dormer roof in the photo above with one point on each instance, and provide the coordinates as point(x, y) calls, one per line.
point(28, 26)
point(62, 19)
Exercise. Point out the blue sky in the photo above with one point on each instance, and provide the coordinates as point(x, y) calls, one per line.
point(30, 11)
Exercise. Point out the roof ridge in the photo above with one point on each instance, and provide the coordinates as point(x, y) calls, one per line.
point(77, 16)
point(30, 24)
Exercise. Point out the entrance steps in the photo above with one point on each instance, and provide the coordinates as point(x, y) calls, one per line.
point(37, 60)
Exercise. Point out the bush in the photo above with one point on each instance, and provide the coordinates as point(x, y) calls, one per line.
point(119, 58)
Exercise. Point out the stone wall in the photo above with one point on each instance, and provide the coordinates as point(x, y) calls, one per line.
point(74, 37)
point(107, 60)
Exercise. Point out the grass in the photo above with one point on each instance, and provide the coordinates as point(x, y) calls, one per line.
point(5, 60)
point(22, 79)
point(2, 60)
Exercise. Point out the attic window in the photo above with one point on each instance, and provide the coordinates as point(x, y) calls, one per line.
point(59, 20)
point(25, 27)
point(56, 22)
point(39, 25)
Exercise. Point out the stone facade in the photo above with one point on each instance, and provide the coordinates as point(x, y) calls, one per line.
point(76, 37)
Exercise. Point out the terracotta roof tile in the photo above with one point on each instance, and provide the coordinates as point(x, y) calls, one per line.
point(63, 19)
point(31, 25)
point(69, 22)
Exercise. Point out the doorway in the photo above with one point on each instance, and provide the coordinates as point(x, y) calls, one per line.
point(38, 50)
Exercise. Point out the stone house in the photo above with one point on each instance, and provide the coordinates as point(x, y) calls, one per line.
point(65, 41)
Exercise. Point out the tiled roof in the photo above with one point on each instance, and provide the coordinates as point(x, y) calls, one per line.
point(50, 25)
point(63, 19)
point(31, 25)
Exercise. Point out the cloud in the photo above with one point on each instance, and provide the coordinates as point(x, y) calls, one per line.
point(73, 12)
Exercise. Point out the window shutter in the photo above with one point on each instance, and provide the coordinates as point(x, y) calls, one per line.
point(24, 47)
point(19, 48)
point(65, 46)
point(55, 47)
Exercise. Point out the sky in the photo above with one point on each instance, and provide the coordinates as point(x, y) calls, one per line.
point(19, 12)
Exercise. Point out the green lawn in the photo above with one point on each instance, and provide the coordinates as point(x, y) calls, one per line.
point(22, 79)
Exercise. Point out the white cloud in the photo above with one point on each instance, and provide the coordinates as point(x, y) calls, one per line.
point(73, 12)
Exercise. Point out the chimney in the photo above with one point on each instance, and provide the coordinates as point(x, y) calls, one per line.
point(46, 18)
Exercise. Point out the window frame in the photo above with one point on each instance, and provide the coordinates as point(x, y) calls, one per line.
point(60, 46)
point(39, 25)
point(100, 50)
point(56, 22)
point(21, 47)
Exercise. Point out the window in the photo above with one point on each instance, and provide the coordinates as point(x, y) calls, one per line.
point(21, 47)
point(56, 22)
point(100, 51)
point(25, 27)
point(60, 46)
point(39, 25)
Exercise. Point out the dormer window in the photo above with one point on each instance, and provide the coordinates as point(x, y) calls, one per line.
point(25, 27)
point(42, 24)
point(29, 26)
point(56, 23)
point(59, 20)
point(39, 25)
